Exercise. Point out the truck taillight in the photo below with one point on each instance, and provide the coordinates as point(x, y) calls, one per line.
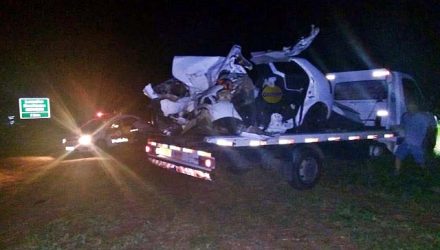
point(207, 162)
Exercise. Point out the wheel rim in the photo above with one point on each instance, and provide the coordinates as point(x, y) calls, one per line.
point(308, 170)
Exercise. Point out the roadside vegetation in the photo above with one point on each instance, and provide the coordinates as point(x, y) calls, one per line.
point(123, 203)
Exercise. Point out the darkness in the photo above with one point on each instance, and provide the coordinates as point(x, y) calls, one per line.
point(87, 56)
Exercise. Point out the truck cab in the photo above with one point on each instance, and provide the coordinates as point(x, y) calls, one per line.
point(376, 98)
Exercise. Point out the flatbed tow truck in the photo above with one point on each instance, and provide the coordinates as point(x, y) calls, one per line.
point(302, 153)
point(361, 107)
point(198, 157)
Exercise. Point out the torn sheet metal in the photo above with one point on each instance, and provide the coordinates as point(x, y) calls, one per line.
point(169, 107)
point(232, 91)
point(286, 53)
point(200, 73)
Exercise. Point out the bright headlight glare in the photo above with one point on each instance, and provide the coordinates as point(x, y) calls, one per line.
point(64, 140)
point(382, 112)
point(85, 140)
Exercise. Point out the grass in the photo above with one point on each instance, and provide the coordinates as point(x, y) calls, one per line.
point(373, 229)
point(393, 212)
point(79, 205)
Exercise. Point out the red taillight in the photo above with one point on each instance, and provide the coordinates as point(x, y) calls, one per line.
point(147, 149)
point(208, 163)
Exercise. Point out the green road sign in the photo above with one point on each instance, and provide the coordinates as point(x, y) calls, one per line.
point(34, 108)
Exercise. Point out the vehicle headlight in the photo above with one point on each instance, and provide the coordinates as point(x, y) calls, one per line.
point(64, 140)
point(85, 140)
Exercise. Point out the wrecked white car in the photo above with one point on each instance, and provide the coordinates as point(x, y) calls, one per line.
point(274, 92)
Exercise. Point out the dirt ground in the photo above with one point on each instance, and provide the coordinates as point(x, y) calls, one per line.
point(122, 202)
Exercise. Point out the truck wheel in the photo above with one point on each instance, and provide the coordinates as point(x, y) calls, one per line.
point(306, 169)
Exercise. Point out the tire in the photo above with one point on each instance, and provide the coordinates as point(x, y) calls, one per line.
point(306, 169)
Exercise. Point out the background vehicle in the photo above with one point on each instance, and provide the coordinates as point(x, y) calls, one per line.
point(106, 132)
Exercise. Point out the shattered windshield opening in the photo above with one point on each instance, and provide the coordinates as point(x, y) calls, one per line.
point(361, 90)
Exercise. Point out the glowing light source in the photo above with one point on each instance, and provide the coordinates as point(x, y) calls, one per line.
point(208, 163)
point(382, 112)
point(99, 114)
point(380, 73)
point(285, 141)
point(372, 137)
point(311, 140)
point(203, 153)
point(172, 147)
point(330, 77)
point(223, 142)
point(119, 140)
point(187, 150)
point(388, 135)
point(334, 138)
point(85, 140)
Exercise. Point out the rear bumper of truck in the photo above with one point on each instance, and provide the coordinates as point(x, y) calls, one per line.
point(195, 163)
point(200, 164)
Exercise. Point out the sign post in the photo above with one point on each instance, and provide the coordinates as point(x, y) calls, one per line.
point(34, 108)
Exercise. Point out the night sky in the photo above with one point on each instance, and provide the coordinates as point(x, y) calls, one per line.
point(89, 56)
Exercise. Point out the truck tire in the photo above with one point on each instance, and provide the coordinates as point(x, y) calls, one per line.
point(306, 168)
